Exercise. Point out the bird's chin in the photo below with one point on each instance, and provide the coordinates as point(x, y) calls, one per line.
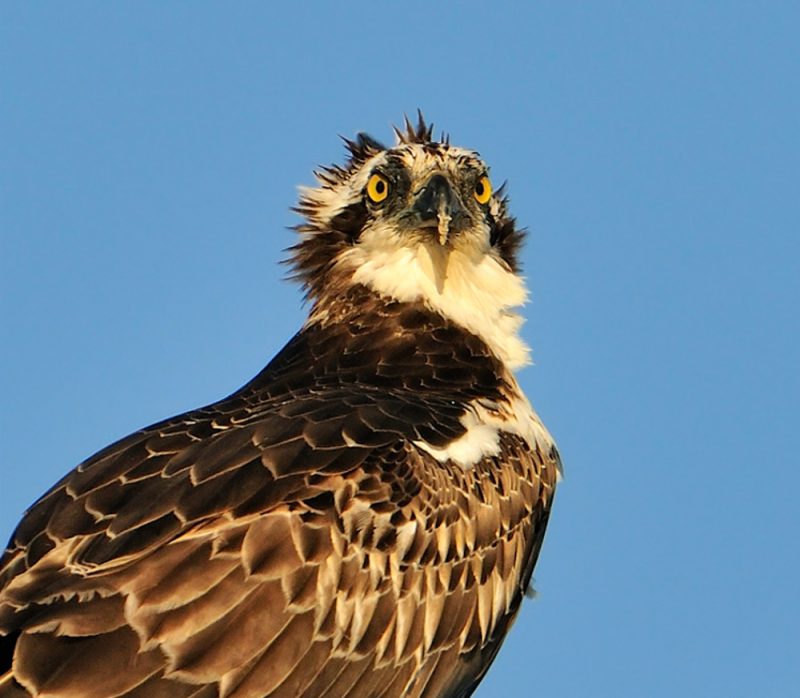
point(437, 231)
point(443, 234)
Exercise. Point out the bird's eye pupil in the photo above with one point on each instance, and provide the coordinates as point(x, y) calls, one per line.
point(379, 187)
point(481, 188)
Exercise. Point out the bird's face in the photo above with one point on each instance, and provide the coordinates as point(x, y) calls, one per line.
point(430, 195)
point(418, 195)
point(419, 221)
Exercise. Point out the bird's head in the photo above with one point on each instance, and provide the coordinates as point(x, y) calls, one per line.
point(419, 221)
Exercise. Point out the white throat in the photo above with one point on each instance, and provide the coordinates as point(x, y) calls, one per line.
point(477, 292)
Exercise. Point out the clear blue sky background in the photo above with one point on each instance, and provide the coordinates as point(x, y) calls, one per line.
point(149, 155)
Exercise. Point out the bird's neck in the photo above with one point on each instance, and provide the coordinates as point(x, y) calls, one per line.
point(478, 294)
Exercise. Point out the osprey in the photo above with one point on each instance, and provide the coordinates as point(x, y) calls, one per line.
point(360, 519)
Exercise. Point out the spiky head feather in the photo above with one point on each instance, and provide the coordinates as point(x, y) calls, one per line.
point(337, 211)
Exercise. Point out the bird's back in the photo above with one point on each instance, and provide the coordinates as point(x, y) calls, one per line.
point(293, 539)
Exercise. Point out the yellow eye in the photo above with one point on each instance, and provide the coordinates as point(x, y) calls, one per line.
point(377, 188)
point(483, 190)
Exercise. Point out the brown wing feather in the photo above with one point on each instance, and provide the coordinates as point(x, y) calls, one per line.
point(289, 540)
point(254, 609)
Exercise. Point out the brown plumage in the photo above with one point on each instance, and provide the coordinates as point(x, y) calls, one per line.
point(361, 519)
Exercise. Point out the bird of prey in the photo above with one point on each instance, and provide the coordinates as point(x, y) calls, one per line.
point(361, 519)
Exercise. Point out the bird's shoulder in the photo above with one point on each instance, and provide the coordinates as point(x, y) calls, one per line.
point(310, 502)
point(338, 394)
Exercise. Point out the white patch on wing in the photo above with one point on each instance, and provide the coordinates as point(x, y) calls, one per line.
point(484, 423)
point(478, 441)
point(475, 289)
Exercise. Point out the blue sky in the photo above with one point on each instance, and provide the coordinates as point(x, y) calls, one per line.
point(150, 154)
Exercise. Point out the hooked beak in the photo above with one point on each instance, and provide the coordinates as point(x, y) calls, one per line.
point(437, 206)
